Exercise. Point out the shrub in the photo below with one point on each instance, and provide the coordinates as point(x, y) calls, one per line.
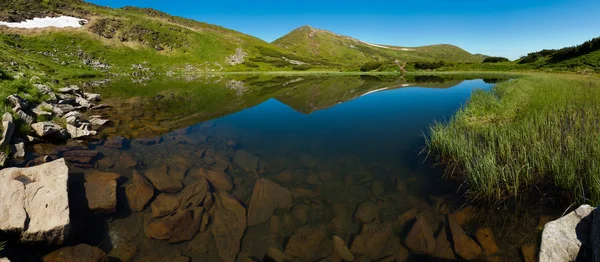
point(495, 59)
point(370, 66)
point(250, 64)
point(301, 67)
point(429, 65)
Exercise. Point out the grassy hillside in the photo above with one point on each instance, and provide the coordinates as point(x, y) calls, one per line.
point(316, 43)
point(583, 57)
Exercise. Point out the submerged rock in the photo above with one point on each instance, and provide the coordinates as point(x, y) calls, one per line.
point(35, 202)
point(485, 238)
point(341, 249)
point(366, 212)
point(305, 242)
point(160, 178)
point(464, 246)
point(372, 239)
point(245, 160)
point(101, 191)
point(228, 226)
point(192, 196)
point(563, 238)
point(178, 227)
point(81, 252)
point(266, 197)
point(443, 248)
point(219, 180)
point(139, 192)
point(420, 239)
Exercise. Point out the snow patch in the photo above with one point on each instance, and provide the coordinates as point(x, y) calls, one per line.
point(59, 22)
point(374, 91)
point(386, 47)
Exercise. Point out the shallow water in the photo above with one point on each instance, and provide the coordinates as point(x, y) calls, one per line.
point(336, 142)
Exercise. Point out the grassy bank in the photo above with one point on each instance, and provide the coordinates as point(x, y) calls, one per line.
point(541, 129)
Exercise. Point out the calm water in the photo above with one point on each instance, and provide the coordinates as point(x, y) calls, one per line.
point(336, 142)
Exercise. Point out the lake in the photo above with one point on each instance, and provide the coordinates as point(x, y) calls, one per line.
point(324, 155)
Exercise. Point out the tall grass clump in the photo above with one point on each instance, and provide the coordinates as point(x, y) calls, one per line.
point(534, 131)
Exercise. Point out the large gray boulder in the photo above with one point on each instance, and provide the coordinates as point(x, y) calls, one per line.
point(8, 128)
point(563, 238)
point(35, 202)
point(49, 130)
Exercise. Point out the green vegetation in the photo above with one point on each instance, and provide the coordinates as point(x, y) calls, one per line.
point(495, 59)
point(541, 129)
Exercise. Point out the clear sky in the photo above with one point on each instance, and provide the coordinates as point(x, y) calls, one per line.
point(509, 28)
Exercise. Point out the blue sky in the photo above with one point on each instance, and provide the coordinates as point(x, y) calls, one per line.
point(509, 28)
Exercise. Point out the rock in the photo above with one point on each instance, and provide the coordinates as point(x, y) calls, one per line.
point(485, 238)
point(160, 178)
point(402, 255)
point(44, 111)
point(26, 118)
point(3, 259)
point(313, 179)
point(92, 97)
point(171, 226)
point(187, 233)
point(300, 212)
point(305, 242)
point(17, 102)
point(563, 238)
point(341, 249)
point(304, 193)
point(101, 191)
point(378, 188)
point(139, 192)
point(69, 90)
point(266, 197)
point(464, 246)
point(228, 226)
point(43, 89)
point(463, 215)
point(203, 243)
point(83, 102)
point(115, 142)
point(245, 160)
point(372, 239)
point(8, 128)
point(420, 239)
point(49, 130)
point(97, 121)
point(366, 212)
point(219, 180)
point(274, 254)
point(191, 196)
point(73, 118)
point(79, 132)
point(443, 248)
point(124, 253)
point(284, 176)
point(35, 202)
point(529, 254)
point(127, 160)
point(80, 253)
point(18, 150)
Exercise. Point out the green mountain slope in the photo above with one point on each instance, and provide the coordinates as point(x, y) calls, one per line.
point(585, 56)
point(316, 43)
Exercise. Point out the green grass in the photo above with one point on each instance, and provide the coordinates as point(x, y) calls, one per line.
point(533, 131)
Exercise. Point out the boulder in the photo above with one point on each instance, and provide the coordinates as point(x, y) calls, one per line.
point(485, 238)
point(420, 239)
point(18, 150)
point(92, 97)
point(35, 202)
point(192, 196)
point(44, 111)
point(124, 253)
point(115, 142)
point(219, 180)
point(563, 238)
point(464, 246)
point(98, 121)
point(49, 130)
point(443, 248)
point(372, 239)
point(80, 253)
point(69, 90)
point(25, 118)
point(18, 103)
point(341, 249)
point(160, 178)
point(305, 242)
point(139, 192)
point(178, 227)
point(266, 197)
point(73, 118)
point(8, 128)
point(101, 191)
point(245, 160)
point(83, 102)
point(366, 212)
point(80, 132)
point(228, 226)
point(274, 254)
point(529, 253)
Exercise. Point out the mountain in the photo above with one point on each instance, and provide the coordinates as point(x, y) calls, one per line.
point(585, 56)
point(141, 42)
point(317, 43)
